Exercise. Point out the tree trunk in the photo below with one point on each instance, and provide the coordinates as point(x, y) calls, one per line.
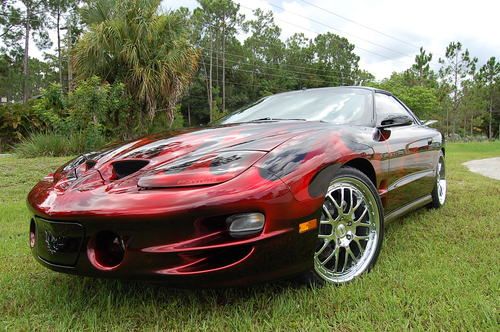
point(472, 125)
point(27, 28)
point(189, 115)
point(455, 92)
point(447, 121)
point(465, 124)
point(207, 85)
point(217, 66)
point(170, 119)
point(210, 99)
point(58, 28)
point(490, 134)
point(70, 71)
point(223, 68)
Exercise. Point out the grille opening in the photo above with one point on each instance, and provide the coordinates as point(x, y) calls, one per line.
point(107, 249)
point(124, 168)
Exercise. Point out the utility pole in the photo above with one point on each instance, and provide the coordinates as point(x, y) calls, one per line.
point(70, 73)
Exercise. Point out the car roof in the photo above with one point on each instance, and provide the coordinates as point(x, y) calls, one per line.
point(357, 87)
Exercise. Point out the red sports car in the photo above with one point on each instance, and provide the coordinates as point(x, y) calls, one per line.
point(297, 184)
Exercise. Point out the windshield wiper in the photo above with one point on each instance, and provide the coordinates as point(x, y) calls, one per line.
point(275, 119)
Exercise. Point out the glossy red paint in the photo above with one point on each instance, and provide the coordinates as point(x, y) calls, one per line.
point(168, 198)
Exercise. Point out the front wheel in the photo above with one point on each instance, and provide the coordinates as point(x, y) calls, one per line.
point(351, 229)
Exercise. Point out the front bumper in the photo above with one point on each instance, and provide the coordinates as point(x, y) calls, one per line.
point(178, 236)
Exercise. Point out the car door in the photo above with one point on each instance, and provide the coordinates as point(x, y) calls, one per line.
point(411, 153)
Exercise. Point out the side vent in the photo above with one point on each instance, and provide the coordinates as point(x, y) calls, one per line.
point(123, 168)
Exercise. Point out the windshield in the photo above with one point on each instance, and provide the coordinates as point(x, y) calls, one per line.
point(335, 105)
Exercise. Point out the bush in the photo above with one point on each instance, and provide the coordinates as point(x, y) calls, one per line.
point(16, 122)
point(43, 145)
point(55, 145)
point(51, 108)
point(466, 138)
point(102, 105)
point(160, 123)
point(56, 124)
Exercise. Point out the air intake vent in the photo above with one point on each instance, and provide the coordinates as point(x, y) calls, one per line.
point(90, 164)
point(124, 168)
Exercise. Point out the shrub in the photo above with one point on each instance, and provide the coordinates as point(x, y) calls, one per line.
point(55, 145)
point(51, 108)
point(43, 145)
point(102, 105)
point(16, 122)
point(57, 124)
point(160, 123)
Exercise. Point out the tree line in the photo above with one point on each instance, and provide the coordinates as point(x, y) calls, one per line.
point(184, 68)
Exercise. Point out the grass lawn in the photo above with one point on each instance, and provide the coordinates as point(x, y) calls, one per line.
point(438, 270)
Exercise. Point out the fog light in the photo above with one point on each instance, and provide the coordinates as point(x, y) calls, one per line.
point(32, 233)
point(245, 224)
point(106, 250)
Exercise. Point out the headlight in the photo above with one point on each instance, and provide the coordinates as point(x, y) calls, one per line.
point(199, 171)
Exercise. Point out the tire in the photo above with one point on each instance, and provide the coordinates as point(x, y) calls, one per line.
point(439, 192)
point(350, 232)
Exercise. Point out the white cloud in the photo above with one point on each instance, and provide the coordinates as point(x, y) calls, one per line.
point(428, 23)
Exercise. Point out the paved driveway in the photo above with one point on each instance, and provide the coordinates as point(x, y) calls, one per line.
point(488, 167)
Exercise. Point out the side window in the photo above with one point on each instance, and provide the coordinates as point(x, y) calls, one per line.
point(385, 105)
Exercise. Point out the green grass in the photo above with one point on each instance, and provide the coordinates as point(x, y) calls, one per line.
point(438, 270)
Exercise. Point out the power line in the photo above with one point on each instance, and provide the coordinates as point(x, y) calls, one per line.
point(317, 33)
point(360, 24)
point(341, 31)
point(269, 65)
point(270, 74)
point(281, 76)
point(246, 58)
point(239, 84)
point(249, 85)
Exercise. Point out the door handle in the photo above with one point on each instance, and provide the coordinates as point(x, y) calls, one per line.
point(429, 141)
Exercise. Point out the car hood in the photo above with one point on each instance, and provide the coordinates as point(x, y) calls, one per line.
point(158, 150)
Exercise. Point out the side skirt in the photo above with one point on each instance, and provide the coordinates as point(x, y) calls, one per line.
point(408, 208)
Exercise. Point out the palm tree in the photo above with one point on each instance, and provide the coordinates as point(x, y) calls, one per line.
point(132, 42)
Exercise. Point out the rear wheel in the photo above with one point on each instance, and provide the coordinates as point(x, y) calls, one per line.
point(351, 229)
point(439, 191)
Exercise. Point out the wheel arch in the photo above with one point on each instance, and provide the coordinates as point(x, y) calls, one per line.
point(364, 166)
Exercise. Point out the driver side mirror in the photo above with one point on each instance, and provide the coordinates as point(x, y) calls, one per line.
point(395, 120)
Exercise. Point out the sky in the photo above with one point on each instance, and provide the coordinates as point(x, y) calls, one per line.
point(387, 33)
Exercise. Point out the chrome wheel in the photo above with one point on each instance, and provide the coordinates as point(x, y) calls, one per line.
point(349, 231)
point(441, 181)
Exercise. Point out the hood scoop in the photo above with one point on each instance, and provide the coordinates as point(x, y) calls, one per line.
point(123, 168)
point(89, 164)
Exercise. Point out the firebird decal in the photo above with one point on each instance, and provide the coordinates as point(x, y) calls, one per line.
point(54, 243)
